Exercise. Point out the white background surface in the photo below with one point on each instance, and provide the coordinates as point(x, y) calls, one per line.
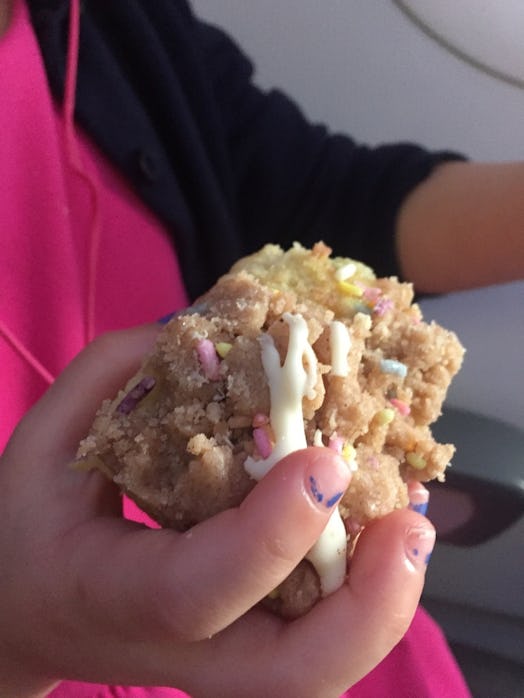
point(362, 67)
point(488, 32)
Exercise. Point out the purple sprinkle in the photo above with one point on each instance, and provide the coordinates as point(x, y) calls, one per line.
point(314, 489)
point(427, 558)
point(136, 394)
point(415, 552)
point(382, 306)
point(334, 499)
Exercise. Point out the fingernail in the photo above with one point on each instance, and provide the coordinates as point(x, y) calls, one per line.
point(326, 479)
point(420, 541)
point(164, 320)
point(197, 309)
point(418, 497)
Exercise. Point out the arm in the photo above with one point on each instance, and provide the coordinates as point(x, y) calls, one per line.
point(464, 227)
point(440, 222)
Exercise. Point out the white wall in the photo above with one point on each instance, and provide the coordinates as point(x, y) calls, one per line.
point(362, 67)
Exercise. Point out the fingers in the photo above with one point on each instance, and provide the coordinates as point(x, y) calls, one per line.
point(418, 497)
point(61, 418)
point(351, 631)
point(191, 586)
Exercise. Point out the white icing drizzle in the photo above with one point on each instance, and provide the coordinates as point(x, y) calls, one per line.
point(340, 344)
point(288, 385)
point(328, 555)
point(317, 438)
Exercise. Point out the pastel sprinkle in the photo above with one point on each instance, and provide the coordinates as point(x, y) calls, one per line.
point(336, 443)
point(346, 271)
point(359, 307)
point(402, 407)
point(350, 289)
point(262, 441)
point(260, 420)
point(208, 358)
point(415, 460)
point(394, 367)
point(382, 306)
point(223, 349)
point(373, 462)
point(372, 294)
point(349, 454)
point(136, 394)
point(385, 416)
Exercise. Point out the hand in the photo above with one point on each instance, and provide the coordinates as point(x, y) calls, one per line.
point(89, 596)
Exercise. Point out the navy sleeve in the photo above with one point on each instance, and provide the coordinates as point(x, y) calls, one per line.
point(297, 181)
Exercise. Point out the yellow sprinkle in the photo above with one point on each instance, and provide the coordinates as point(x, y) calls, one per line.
point(223, 349)
point(274, 594)
point(385, 416)
point(416, 460)
point(350, 289)
point(348, 452)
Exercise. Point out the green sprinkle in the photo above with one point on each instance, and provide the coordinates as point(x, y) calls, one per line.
point(415, 460)
point(385, 416)
point(223, 349)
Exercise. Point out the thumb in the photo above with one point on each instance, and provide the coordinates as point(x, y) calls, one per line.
point(351, 631)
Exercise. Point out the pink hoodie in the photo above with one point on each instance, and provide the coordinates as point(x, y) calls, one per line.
point(74, 241)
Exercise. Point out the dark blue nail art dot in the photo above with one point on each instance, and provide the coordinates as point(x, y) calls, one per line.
point(334, 499)
point(314, 489)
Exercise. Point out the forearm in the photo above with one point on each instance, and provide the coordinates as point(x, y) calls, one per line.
point(464, 227)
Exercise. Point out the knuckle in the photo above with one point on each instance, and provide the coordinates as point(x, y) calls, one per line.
point(277, 551)
point(180, 616)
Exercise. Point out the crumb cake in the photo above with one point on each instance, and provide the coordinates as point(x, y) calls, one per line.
point(289, 349)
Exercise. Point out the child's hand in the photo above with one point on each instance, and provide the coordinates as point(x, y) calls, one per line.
point(87, 595)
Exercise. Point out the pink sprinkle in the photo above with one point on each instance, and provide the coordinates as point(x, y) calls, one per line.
point(260, 420)
point(336, 443)
point(382, 306)
point(208, 358)
point(372, 294)
point(262, 441)
point(374, 462)
point(402, 407)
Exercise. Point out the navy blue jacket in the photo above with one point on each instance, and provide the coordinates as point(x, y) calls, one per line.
point(226, 166)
